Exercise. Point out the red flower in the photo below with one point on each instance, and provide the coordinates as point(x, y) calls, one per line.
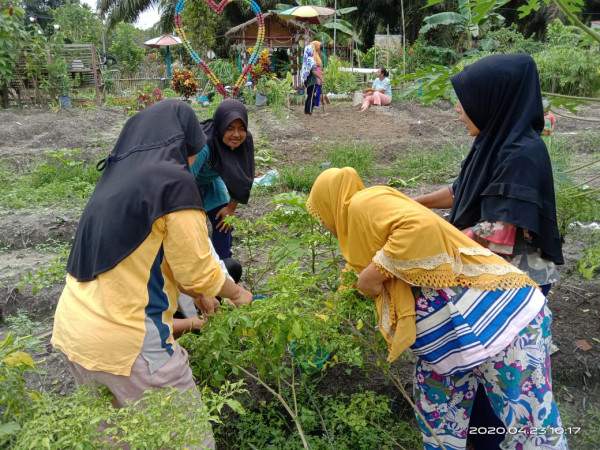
point(411, 52)
point(11, 11)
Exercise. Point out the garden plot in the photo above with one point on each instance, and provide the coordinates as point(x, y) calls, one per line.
point(416, 147)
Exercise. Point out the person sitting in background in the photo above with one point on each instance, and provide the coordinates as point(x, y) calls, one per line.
point(381, 92)
point(141, 238)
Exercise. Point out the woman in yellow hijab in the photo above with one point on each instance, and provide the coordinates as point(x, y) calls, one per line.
point(317, 58)
point(468, 315)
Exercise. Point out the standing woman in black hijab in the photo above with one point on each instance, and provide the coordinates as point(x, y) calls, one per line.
point(141, 238)
point(503, 197)
point(224, 169)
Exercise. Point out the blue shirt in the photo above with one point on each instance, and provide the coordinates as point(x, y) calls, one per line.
point(213, 189)
point(383, 84)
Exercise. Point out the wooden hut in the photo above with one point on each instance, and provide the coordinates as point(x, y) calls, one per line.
point(280, 34)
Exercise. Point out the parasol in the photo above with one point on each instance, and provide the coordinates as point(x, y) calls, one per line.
point(166, 40)
point(308, 14)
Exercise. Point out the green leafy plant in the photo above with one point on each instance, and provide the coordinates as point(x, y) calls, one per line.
point(13, 37)
point(338, 81)
point(126, 49)
point(21, 324)
point(87, 420)
point(16, 400)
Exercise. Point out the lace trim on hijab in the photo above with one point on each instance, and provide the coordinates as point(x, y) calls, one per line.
point(385, 316)
point(428, 272)
point(310, 208)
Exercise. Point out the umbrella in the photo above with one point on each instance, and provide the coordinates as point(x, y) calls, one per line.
point(166, 40)
point(308, 14)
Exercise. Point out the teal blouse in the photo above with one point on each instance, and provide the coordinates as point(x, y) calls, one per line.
point(213, 189)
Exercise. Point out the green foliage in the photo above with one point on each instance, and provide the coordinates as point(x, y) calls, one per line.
point(126, 49)
point(13, 37)
point(224, 70)
point(337, 81)
point(301, 177)
point(263, 154)
point(569, 70)
point(510, 40)
point(589, 265)
point(278, 91)
point(430, 165)
point(362, 420)
point(86, 420)
point(79, 24)
point(46, 276)
point(359, 156)
point(15, 398)
point(21, 324)
point(48, 182)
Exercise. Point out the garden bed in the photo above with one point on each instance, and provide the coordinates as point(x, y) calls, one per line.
point(33, 235)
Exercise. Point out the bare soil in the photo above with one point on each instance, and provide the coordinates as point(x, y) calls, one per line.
point(295, 139)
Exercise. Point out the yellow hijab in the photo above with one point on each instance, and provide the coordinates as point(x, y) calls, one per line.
point(407, 242)
point(316, 57)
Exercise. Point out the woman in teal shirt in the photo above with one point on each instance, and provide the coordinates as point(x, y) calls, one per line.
point(224, 169)
point(381, 92)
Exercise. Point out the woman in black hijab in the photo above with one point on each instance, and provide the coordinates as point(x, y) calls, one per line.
point(141, 238)
point(503, 197)
point(224, 169)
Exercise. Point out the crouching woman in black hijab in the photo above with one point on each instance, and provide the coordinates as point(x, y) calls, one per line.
point(503, 197)
point(224, 169)
point(142, 234)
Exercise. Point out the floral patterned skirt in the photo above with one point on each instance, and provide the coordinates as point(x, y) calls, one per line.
point(518, 384)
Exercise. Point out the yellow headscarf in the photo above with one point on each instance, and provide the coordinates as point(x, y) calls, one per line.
point(407, 242)
point(316, 57)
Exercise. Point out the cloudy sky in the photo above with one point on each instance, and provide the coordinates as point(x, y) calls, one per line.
point(146, 20)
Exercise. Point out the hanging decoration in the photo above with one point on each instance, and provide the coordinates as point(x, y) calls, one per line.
point(247, 67)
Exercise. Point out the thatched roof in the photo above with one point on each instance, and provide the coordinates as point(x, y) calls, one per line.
point(292, 25)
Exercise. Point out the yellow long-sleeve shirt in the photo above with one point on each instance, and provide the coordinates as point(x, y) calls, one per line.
point(106, 323)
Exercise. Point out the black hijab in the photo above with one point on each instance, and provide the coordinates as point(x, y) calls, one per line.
point(507, 175)
point(146, 176)
point(235, 166)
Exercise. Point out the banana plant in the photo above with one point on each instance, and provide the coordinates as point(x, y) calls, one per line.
point(468, 18)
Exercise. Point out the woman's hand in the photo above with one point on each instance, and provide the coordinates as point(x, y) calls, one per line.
point(228, 210)
point(243, 297)
point(370, 281)
point(208, 305)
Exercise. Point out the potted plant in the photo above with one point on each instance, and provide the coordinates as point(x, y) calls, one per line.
point(184, 83)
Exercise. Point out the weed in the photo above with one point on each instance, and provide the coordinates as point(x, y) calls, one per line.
point(358, 156)
point(301, 177)
point(432, 165)
point(21, 324)
point(58, 180)
point(46, 276)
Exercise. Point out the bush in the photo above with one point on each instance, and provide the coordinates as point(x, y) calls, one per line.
point(569, 70)
point(184, 83)
point(337, 81)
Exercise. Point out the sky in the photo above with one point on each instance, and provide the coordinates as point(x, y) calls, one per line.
point(146, 19)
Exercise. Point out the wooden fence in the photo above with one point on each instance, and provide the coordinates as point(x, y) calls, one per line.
point(131, 86)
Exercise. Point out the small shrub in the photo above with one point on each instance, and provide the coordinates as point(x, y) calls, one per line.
point(336, 80)
point(184, 83)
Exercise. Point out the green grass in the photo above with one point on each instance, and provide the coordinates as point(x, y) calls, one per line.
point(359, 156)
point(47, 182)
point(301, 178)
point(432, 165)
